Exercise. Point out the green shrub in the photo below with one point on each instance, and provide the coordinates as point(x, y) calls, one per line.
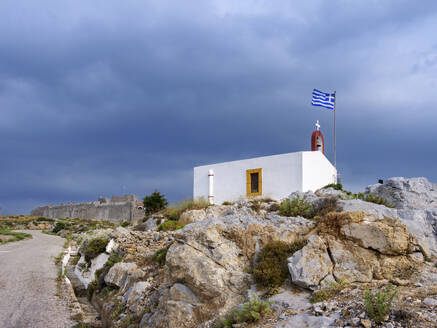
point(227, 203)
point(251, 311)
point(273, 207)
point(296, 207)
point(170, 225)
point(377, 200)
point(113, 258)
point(325, 205)
point(336, 186)
point(94, 248)
point(378, 304)
point(125, 224)
point(59, 226)
point(43, 219)
point(154, 202)
point(333, 289)
point(271, 269)
point(160, 255)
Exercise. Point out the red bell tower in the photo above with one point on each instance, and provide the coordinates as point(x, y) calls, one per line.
point(317, 140)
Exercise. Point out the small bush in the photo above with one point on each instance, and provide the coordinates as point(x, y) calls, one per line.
point(296, 207)
point(95, 247)
point(154, 202)
point(377, 200)
point(271, 269)
point(378, 304)
point(251, 311)
point(59, 226)
point(227, 203)
point(124, 224)
point(169, 226)
point(43, 219)
point(336, 186)
point(325, 205)
point(273, 207)
point(333, 289)
point(160, 255)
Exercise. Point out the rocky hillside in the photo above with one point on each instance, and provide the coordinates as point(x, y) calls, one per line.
point(245, 265)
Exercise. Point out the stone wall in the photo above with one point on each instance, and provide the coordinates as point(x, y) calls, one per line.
point(117, 209)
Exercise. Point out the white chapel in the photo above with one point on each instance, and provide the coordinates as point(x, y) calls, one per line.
point(268, 176)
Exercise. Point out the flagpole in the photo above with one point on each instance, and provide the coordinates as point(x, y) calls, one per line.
point(335, 131)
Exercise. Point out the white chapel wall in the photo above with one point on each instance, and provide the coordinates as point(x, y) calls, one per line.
point(317, 170)
point(281, 174)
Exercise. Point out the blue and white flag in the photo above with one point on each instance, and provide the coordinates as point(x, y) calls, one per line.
point(323, 99)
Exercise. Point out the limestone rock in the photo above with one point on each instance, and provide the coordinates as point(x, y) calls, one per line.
point(118, 274)
point(180, 292)
point(202, 214)
point(311, 264)
point(413, 193)
point(387, 236)
point(352, 263)
point(308, 320)
point(421, 223)
point(330, 192)
point(135, 295)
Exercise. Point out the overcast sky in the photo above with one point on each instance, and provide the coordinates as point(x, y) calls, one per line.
point(112, 97)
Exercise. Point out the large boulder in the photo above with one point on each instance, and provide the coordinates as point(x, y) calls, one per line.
point(122, 274)
point(351, 262)
point(311, 264)
point(387, 236)
point(421, 223)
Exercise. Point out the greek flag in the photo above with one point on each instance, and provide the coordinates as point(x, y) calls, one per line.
point(323, 99)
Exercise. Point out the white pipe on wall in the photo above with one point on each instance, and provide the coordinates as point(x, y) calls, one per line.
point(211, 187)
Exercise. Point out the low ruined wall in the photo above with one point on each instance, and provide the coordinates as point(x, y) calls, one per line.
point(123, 211)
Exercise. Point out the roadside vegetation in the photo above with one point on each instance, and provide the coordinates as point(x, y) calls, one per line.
point(7, 236)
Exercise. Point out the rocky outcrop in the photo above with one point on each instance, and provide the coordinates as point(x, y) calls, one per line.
point(356, 247)
point(192, 276)
point(404, 193)
point(309, 266)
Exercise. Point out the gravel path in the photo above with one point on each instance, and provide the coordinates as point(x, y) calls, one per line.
point(28, 284)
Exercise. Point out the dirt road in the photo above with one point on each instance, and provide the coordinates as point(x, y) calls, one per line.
point(28, 284)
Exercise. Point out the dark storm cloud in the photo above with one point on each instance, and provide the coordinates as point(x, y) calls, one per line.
point(106, 97)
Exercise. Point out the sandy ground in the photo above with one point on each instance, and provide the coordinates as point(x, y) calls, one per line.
point(28, 286)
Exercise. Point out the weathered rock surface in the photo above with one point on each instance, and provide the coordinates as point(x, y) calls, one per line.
point(119, 273)
point(420, 223)
point(311, 264)
point(404, 193)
